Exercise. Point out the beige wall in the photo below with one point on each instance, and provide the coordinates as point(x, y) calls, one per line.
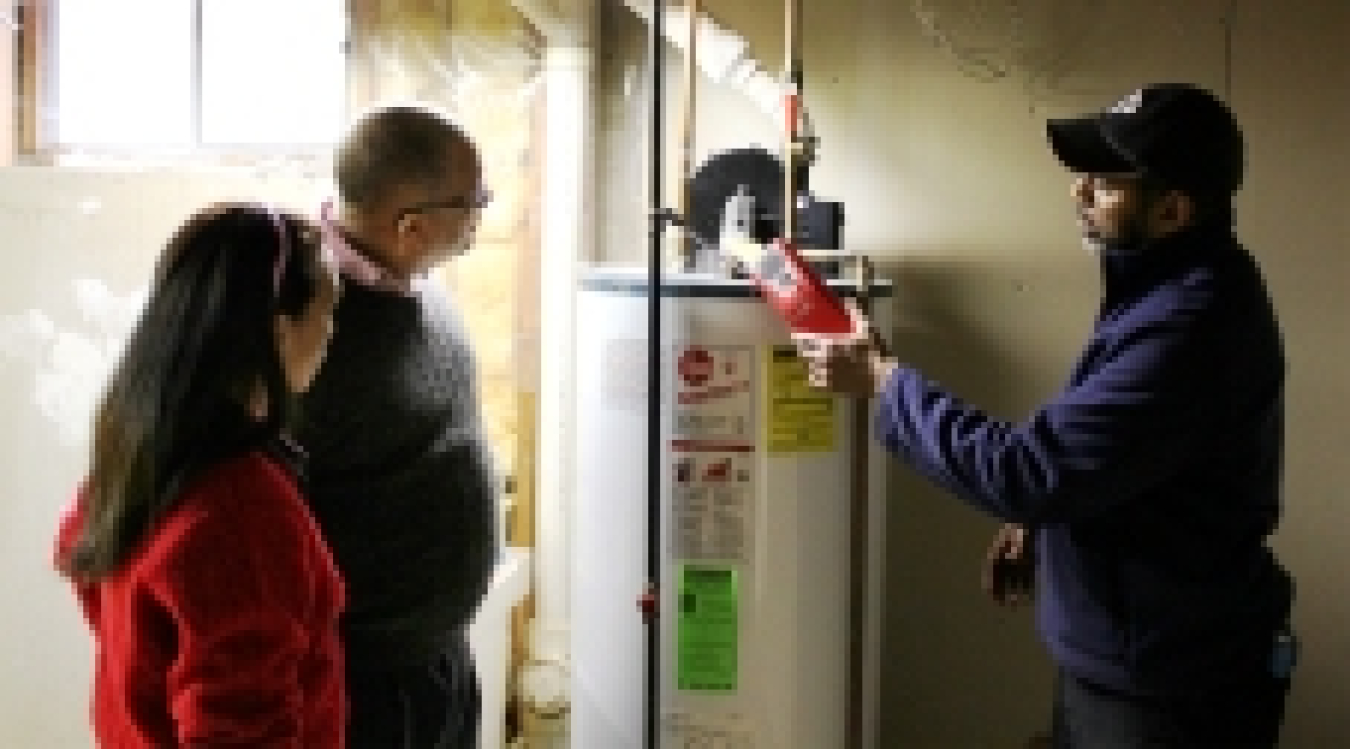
point(948, 184)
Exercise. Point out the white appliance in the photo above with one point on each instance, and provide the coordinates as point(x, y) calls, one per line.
point(756, 529)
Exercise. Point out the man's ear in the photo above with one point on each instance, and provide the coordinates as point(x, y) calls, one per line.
point(407, 238)
point(1174, 211)
point(408, 226)
point(410, 232)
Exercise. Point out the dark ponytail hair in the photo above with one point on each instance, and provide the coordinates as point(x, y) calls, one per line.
point(180, 398)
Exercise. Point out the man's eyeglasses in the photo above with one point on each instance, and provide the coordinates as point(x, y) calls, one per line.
point(474, 201)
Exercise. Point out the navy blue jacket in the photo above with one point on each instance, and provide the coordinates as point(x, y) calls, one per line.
point(1152, 478)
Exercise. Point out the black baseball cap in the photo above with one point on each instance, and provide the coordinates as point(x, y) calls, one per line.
point(1180, 135)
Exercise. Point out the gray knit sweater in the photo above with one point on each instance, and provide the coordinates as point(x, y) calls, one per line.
point(399, 473)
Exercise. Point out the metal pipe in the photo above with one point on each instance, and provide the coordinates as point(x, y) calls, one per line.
point(859, 548)
point(688, 112)
point(651, 719)
point(791, 116)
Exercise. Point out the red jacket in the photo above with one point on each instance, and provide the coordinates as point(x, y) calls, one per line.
point(221, 630)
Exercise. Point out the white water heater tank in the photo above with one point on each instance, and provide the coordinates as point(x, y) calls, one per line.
point(756, 527)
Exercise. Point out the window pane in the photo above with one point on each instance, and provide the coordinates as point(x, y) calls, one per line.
point(273, 72)
point(123, 72)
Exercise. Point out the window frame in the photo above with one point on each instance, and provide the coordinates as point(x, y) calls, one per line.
point(36, 119)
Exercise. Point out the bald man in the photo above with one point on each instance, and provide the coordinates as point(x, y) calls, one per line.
point(399, 472)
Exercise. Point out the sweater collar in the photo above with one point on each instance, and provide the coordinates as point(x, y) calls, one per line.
point(354, 261)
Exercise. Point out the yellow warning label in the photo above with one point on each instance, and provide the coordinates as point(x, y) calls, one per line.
point(797, 417)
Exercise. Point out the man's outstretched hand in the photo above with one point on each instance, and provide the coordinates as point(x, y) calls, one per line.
point(856, 363)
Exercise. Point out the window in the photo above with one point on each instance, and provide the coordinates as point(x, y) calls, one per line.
point(186, 75)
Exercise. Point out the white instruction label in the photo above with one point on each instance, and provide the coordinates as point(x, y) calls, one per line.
point(700, 730)
point(712, 452)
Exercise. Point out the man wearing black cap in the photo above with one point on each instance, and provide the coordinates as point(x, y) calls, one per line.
point(1151, 482)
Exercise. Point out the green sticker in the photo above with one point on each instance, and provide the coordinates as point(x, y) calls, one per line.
point(708, 629)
